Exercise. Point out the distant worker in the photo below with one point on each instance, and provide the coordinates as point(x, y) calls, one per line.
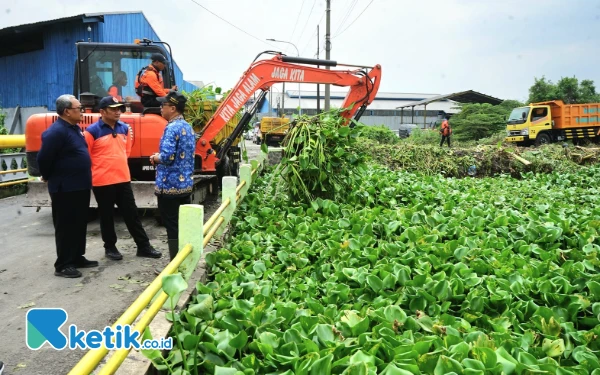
point(116, 90)
point(175, 166)
point(149, 82)
point(64, 162)
point(109, 141)
point(446, 132)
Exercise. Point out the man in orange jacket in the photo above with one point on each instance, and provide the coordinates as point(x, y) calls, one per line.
point(446, 132)
point(109, 142)
point(149, 82)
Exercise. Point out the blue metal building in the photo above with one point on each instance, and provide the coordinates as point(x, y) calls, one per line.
point(37, 61)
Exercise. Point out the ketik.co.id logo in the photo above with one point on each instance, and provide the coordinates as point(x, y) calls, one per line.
point(43, 325)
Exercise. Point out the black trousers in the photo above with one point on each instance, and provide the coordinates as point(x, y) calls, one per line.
point(150, 101)
point(121, 195)
point(69, 215)
point(444, 138)
point(169, 213)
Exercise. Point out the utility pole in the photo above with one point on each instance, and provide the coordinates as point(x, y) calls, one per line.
point(283, 100)
point(318, 86)
point(328, 50)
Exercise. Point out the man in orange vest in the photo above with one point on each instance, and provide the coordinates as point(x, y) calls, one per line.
point(109, 142)
point(446, 132)
point(149, 82)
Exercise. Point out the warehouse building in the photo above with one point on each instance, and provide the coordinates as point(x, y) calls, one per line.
point(37, 60)
point(388, 109)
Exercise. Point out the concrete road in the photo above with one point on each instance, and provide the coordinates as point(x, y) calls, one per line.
point(27, 255)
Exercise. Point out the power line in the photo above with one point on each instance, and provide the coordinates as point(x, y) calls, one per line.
point(351, 23)
point(307, 43)
point(315, 33)
point(297, 19)
point(230, 24)
point(345, 18)
point(307, 19)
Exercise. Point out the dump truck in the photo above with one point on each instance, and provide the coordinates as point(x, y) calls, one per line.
point(553, 121)
point(273, 130)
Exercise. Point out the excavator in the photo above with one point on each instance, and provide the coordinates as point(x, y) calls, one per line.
point(99, 63)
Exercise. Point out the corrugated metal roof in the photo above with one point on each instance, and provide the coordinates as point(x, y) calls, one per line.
point(312, 94)
point(37, 78)
point(84, 17)
point(468, 96)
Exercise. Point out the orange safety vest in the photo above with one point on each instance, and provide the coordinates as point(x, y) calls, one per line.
point(446, 129)
point(149, 82)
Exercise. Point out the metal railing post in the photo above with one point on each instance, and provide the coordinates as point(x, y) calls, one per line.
point(228, 192)
point(191, 217)
point(245, 175)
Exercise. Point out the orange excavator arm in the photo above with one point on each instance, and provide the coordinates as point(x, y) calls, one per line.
point(265, 73)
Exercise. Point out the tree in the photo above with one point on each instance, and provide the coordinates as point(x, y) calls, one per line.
point(476, 121)
point(567, 89)
point(542, 90)
point(587, 92)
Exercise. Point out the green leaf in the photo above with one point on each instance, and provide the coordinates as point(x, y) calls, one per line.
point(344, 131)
point(375, 283)
point(486, 356)
point(204, 308)
point(174, 284)
point(322, 366)
point(191, 342)
point(391, 369)
point(152, 354)
point(594, 288)
point(394, 313)
point(325, 333)
point(553, 348)
point(508, 363)
point(270, 339)
point(226, 371)
point(239, 340)
point(446, 365)
point(361, 357)
point(355, 323)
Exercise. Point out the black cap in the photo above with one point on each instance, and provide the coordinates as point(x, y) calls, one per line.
point(109, 101)
point(174, 97)
point(158, 57)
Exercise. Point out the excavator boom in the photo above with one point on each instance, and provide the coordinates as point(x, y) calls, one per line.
point(265, 73)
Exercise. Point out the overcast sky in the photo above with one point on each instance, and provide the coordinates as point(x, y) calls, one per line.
point(425, 46)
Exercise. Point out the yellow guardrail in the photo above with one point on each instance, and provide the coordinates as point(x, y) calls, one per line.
point(16, 182)
point(92, 358)
point(12, 141)
point(14, 171)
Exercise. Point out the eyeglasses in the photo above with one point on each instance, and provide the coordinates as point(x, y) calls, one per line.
point(80, 108)
point(166, 104)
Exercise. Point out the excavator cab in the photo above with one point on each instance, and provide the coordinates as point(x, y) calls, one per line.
point(110, 69)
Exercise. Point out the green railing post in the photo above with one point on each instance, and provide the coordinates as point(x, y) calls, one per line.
point(228, 192)
point(191, 218)
point(263, 159)
point(255, 165)
point(245, 175)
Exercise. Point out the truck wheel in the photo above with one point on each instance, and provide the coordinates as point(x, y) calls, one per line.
point(542, 139)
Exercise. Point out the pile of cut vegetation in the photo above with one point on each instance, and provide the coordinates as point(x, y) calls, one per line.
point(321, 158)
point(481, 161)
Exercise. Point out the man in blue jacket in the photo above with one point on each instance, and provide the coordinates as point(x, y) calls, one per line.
point(64, 162)
point(175, 159)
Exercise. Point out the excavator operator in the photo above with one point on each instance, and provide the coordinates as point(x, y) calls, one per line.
point(149, 82)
